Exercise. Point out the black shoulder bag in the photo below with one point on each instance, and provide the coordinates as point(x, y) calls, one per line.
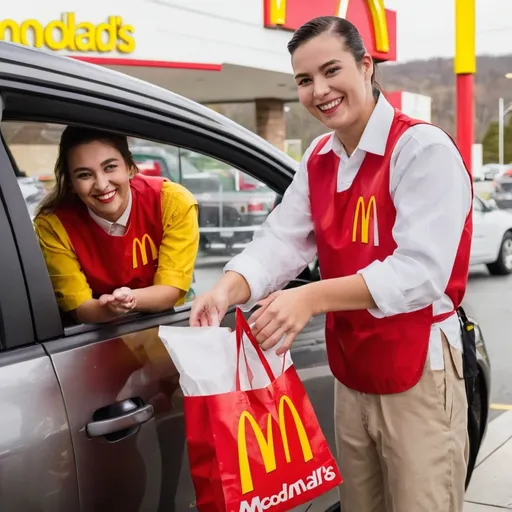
point(469, 354)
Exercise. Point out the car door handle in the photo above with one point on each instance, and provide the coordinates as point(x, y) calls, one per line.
point(125, 421)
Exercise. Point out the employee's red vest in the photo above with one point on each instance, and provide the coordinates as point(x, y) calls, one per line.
point(353, 228)
point(110, 262)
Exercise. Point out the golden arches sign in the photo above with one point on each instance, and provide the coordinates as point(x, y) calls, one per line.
point(277, 16)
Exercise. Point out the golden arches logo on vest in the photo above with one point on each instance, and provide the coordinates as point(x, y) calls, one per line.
point(140, 247)
point(266, 443)
point(363, 214)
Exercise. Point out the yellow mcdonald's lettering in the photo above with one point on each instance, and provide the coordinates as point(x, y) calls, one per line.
point(66, 34)
point(141, 244)
point(365, 218)
point(266, 443)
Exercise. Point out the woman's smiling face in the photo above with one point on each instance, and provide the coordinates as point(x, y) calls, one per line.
point(332, 86)
point(100, 177)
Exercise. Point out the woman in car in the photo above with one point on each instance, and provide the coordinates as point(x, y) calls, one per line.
point(114, 241)
point(385, 200)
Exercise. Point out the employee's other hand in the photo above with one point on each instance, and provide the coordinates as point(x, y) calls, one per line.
point(283, 313)
point(121, 301)
point(209, 308)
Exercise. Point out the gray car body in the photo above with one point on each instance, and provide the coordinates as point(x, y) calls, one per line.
point(57, 380)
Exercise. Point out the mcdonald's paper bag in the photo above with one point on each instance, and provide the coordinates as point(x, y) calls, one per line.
point(258, 449)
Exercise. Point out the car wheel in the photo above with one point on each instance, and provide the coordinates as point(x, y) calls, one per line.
point(503, 265)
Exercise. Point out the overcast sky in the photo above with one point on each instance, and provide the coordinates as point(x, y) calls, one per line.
point(426, 28)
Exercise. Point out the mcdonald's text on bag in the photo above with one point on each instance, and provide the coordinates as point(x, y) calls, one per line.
point(267, 450)
point(289, 491)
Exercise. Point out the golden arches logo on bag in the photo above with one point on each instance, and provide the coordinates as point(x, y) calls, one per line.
point(141, 246)
point(266, 443)
point(366, 211)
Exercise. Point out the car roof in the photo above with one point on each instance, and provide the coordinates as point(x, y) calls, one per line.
point(25, 64)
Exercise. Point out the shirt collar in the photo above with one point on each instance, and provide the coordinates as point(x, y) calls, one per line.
point(375, 135)
point(122, 221)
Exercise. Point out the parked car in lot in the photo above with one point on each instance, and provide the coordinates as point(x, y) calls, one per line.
point(92, 415)
point(492, 237)
point(33, 192)
point(502, 192)
point(492, 170)
point(232, 206)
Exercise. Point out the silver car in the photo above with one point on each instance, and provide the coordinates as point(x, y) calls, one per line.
point(92, 415)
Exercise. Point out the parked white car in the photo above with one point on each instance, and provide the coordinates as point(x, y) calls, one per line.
point(492, 237)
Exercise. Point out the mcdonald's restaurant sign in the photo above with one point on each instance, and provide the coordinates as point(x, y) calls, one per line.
point(364, 212)
point(376, 24)
point(68, 33)
point(140, 247)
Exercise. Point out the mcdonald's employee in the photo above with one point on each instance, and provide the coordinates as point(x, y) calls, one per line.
point(386, 201)
point(114, 241)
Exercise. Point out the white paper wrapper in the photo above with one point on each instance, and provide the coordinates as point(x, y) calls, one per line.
point(206, 360)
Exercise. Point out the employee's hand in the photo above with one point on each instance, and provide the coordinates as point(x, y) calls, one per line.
point(121, 301)
point(283, 313)
point(208, 309)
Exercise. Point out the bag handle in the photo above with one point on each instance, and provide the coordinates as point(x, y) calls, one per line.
point(243, 327)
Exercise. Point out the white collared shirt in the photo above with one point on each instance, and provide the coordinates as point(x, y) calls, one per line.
point(117, 228)
point(431, 191)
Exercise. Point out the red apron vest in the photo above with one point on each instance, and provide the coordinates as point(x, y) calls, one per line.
point(353, 228)
point(110, 262)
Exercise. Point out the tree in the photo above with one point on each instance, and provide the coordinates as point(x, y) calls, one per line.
point(490, 143)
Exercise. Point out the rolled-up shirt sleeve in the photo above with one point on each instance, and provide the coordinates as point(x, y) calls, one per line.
point(283, 246)
point(432, 197)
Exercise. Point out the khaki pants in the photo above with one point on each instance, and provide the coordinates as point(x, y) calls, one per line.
point(405, 452)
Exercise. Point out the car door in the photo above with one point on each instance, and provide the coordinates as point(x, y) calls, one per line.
point(121, 395)
point(37, 464)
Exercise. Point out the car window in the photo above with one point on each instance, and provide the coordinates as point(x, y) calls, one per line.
point(156, 159)
point(232, 206)
point(34, 147)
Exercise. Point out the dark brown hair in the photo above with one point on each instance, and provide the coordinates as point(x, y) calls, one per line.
point(340, 27)
point(72, 137)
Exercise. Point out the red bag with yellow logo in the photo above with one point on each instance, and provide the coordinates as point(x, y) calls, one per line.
point(260, 449)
